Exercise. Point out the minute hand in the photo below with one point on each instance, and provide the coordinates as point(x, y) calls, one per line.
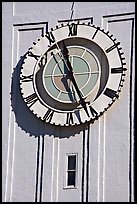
point(82, 102)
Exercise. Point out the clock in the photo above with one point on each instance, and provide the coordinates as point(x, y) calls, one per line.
point(72, 74)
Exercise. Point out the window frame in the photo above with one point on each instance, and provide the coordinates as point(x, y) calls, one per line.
point(66, 186)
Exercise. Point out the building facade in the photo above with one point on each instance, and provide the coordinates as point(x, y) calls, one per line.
point(92, 161)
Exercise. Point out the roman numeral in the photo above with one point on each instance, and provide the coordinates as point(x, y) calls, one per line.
point(43, 61)
point(95, 33)
point(69, 119)
point(33, 55)
point(27, 78)
point(72, 29)
point(93, 111)
point(110, 93)
point(118, 70)
point(112, 47)
point(48, 116)
point(31, 99)
point(50, 37)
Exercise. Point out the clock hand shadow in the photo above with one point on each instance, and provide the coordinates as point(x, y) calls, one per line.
point(65, 79)
point(66, 82)
point(54, 57)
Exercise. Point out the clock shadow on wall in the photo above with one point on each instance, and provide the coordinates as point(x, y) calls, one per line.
point(26, 120)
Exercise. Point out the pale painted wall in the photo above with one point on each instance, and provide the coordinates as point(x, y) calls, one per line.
point(27, 144)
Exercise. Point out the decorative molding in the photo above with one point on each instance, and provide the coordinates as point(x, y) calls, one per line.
point(106, 22)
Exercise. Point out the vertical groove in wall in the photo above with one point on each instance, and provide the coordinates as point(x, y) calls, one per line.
point(13, 8)
point(8, 172)
point(58, 156)
point(8, 156)
point(52, 167)
point(87, 170)
point(37, 170)
point(131, 110)
point(41, 176)
point(104, 150)
point(83, 167)
point(101, 160)
point(12, 168)
point(13, 119)
point(98, 185)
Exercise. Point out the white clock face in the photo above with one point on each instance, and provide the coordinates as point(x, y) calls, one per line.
point(77, 87)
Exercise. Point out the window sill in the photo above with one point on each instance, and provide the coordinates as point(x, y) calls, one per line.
point(70, 187)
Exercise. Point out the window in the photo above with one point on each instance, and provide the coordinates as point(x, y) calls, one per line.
point(71, 170)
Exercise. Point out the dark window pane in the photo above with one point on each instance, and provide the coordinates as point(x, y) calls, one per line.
point(71, 162)
point(71, 178)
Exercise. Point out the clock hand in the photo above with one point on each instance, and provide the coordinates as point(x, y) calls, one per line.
point(66, 56)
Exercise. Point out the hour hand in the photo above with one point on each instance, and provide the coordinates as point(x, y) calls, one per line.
point(65, 53)
point(65, 50)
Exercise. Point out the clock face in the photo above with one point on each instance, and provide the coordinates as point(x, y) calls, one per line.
point(86, 69)
point(72, 74)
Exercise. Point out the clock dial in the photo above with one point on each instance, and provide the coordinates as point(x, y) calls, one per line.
point(72, 74)
point(56, 73)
